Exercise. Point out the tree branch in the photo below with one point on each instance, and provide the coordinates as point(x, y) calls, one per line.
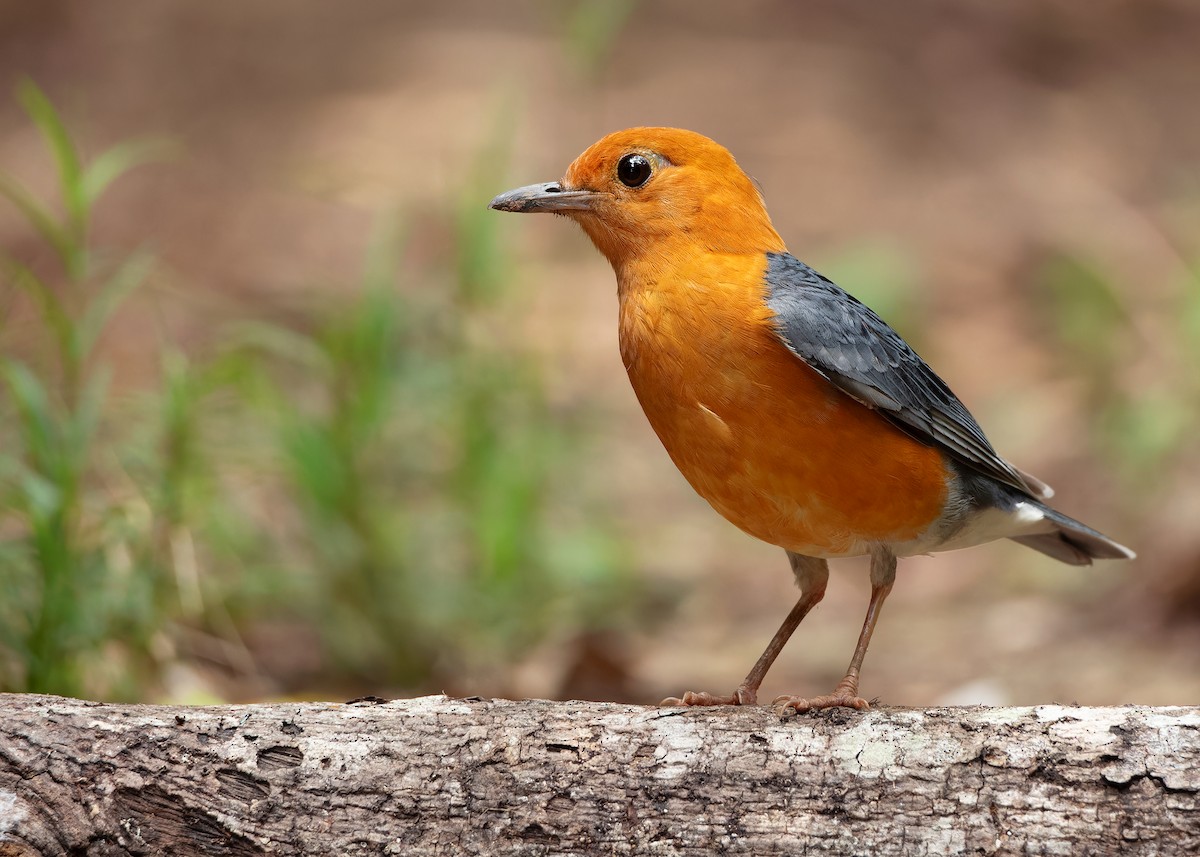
point(470, 776)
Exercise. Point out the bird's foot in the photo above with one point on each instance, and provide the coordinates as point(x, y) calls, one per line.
point(845, 695)
point(800, 704)
point(742, 696)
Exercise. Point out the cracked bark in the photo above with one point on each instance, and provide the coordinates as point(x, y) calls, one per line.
point(454, 776)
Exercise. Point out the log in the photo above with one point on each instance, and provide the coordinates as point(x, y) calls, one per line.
point(472, 776)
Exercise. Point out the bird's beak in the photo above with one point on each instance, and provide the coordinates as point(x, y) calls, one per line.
point(550, 196)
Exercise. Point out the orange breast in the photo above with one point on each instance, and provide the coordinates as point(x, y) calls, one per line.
point(772, 445)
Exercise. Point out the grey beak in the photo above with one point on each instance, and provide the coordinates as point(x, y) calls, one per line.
point(544, 197)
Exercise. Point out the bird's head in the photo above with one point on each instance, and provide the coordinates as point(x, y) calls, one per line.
point(644, 190)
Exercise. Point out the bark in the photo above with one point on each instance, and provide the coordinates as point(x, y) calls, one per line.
point(472, 776)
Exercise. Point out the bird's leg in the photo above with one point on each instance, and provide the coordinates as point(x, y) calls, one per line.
point(845, 695)
point(812, 575)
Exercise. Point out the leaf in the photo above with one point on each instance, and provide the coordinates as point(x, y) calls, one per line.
point(70, 171)
point(1089, 314)
point(131, 274)
point(87, 415)
point(481, 256)
point(382, 260)
point(120, 159)
point(39, 218)
point(593, 28)
point(271, 339)
point(54, 314)
point(33, 409)
point(42, 498)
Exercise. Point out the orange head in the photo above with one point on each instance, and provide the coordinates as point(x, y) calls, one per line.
point(644, 191)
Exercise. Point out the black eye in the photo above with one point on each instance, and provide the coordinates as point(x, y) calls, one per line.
point(633, 170)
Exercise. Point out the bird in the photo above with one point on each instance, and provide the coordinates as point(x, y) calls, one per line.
point(786, 403)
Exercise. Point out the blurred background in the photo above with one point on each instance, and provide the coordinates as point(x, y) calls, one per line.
point(285, 412)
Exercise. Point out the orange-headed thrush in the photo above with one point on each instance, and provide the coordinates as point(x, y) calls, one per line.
point(791, 407)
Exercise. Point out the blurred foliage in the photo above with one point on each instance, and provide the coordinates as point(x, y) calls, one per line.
point(881, 275)
point(590, 29)
point(75, 573)
point(385, 468)
point(441, 529)
point(1139, 429)
point(1147, 428)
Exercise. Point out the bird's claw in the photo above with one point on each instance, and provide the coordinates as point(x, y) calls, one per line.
point(800, 704)
point(741, 696)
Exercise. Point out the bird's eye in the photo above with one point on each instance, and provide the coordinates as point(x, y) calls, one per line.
point(633, 170)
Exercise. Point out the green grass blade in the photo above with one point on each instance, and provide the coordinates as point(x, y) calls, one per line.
point(120, 159)
point(40, 497)
point(39, 218)
point(82, 426)
point(54, 314)
point(70, 170)
point(34, 415)
point(382, 262)
point(131, 274)
point(277, 341)
point(1090, 315)
point(481, 257)
point(593, 28)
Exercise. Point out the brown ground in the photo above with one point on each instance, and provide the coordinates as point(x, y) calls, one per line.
point(975, 137)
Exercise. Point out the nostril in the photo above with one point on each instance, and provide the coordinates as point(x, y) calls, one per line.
point(553, 188)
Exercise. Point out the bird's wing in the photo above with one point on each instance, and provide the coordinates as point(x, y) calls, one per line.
point(858, 352)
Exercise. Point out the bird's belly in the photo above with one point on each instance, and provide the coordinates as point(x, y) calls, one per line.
point(784, 455)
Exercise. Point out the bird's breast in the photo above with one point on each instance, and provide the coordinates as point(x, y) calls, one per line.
point(764, 438)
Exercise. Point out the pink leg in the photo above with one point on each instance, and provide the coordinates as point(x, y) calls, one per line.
point(845, 695)
point(812, 575)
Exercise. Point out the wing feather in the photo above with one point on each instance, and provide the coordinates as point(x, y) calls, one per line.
point(857, 351)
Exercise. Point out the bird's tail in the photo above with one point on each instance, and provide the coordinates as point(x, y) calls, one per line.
point(1073, 542)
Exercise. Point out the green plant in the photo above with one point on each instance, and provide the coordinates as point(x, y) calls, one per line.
point(387, 468)
point(590, 29)
point(880, 274)
point(63, 553)
point(1144, 428)
point(438, 528)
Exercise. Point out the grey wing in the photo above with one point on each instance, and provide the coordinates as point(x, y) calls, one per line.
point(858, 352)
